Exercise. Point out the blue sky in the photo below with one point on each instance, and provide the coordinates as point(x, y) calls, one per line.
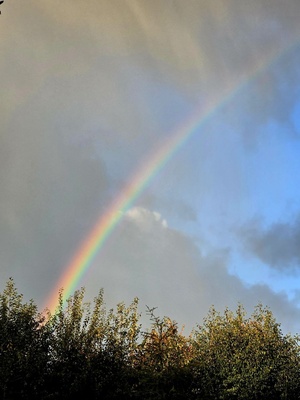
point(89, 91)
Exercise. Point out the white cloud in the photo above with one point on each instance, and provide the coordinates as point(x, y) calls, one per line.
point(145, 219)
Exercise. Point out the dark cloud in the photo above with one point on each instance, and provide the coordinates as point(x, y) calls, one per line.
point(277, 245)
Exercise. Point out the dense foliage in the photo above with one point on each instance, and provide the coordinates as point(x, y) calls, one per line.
point(85, 351)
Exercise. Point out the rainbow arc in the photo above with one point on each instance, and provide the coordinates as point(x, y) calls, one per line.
point(94, 242)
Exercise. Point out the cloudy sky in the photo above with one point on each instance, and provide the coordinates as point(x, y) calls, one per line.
point(91, 89)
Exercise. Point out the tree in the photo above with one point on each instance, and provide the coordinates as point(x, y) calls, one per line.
point(245, 358)
point(23, 346)
point(85, 351)
point(92, 351)
point(163, 361)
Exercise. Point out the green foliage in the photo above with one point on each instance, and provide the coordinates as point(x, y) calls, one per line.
point(84, 351)
point(245, 358)
point(90, 348)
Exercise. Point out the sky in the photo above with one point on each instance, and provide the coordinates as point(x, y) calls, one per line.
point(92, 90)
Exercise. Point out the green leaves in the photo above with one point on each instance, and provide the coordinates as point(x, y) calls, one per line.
point(85, 351)
point(245, 358)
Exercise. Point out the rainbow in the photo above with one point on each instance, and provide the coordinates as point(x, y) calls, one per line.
point(97, 237)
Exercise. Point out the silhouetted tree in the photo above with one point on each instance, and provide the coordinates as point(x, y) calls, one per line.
point(24, 344)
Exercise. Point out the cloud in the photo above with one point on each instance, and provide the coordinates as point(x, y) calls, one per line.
point(198, 49)
point(130, 71)
point(51, 191)
point(165, 269)
point(278, 245)
point(179, 208)
point(145, 218)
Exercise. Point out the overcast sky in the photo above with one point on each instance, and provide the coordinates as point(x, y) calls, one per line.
point(90, 88)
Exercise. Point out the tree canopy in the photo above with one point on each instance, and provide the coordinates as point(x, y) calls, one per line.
point(85, 350)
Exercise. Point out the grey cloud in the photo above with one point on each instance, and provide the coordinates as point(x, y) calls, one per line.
point(200, 49)
point(51, 192)
point(165, 269)
point(68, 69)
point(277, 245)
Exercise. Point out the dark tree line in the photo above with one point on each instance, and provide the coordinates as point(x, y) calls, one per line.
point(85, 351)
